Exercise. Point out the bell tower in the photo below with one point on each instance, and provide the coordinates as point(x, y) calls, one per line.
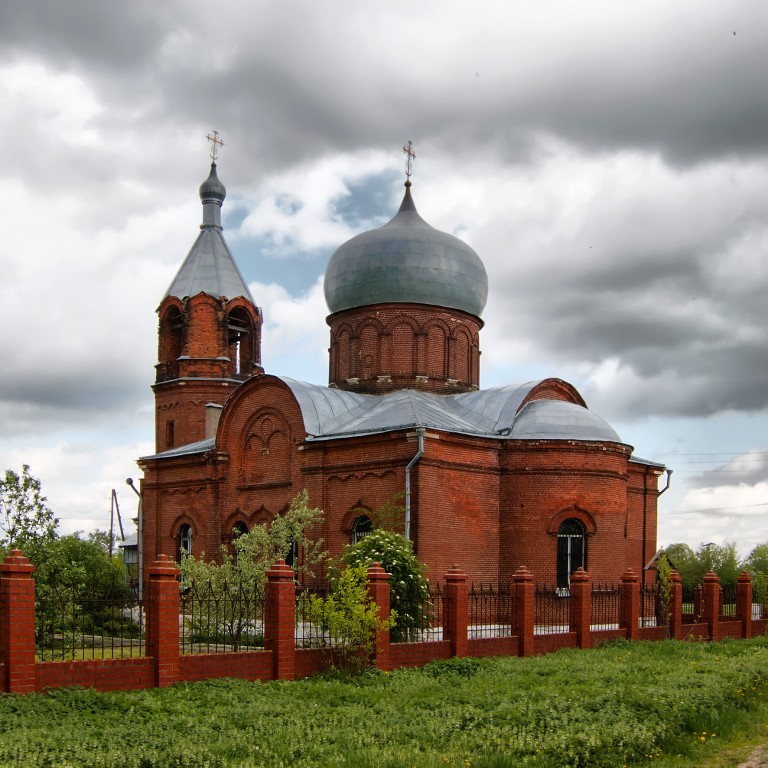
point(209, 338)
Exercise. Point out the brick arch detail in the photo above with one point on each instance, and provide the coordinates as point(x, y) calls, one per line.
point(366, 322)
point(403, 319)
point(572, 512)
point(237, 516)
point(183, 519)
point(355, 511)
point(260, 516)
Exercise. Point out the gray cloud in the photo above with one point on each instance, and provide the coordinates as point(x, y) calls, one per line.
point(749, 469)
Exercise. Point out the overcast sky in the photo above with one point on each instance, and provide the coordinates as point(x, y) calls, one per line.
point(608, 162)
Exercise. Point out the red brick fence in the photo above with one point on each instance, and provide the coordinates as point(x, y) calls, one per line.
point(526, 631)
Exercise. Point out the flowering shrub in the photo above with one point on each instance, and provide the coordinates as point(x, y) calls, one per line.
point(409, 588)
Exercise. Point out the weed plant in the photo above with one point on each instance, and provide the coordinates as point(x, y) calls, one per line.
point(625, 704)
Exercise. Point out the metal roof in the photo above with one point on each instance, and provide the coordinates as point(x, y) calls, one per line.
point(331, 413)
point(495, 413)
point(209, 266)
point(406, 261)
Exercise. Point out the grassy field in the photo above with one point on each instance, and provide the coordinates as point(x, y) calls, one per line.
point(667, 704)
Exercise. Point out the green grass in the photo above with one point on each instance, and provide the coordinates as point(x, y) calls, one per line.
point(625, 704)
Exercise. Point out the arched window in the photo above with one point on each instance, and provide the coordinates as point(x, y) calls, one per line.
point(184, 542)
point(238, 530)
point(361, 527)
point(571, 551)
point(240, 341)
point(292, 555)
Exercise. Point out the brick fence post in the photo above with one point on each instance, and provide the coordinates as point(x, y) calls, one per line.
point(712, 604)
point(378, 589)
point(525, 610)
point(17, 623)
point(580, 608)
point(456, 620)
point(630, 604)
point(676, 606)
point(163, 620)
point(744, 603)
point(280, 620)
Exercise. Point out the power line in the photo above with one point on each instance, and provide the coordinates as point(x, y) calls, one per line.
point(721, 453)
point(713, 509)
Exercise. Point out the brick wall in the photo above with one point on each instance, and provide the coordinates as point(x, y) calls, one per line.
point(385, 347)
point(163, 664)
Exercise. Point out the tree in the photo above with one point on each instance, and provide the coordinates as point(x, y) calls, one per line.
point(409, 588)
point(227, 594)
point(723, 559)
point(757, 560)
point(25, 517)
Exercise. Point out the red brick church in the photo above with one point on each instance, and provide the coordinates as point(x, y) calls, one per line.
point(493, 479)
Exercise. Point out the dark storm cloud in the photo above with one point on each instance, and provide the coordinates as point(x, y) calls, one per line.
point(112, 35)
point(662, 81)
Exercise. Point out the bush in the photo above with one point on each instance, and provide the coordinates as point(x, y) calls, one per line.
point(409, 588)
point(351, 618)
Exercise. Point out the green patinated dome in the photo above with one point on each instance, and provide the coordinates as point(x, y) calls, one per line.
point(406, 261)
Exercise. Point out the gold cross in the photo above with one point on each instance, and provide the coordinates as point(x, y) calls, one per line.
point(410, 157)
point(216, 142)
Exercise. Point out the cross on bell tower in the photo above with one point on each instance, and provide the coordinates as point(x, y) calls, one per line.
point(410, 156)
point(216, 142)
point(210, 328)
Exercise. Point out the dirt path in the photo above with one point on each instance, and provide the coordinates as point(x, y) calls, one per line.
point(758, 759)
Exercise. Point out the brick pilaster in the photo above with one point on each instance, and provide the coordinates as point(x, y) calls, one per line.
point(712, 604)
point(581, 607)
point(630, 604)
point(457, 615)
point(744, 603)
point(17, 623)
point(525, 609)
point(378, 589)
point(163, 620)
point(676, 606)
point(280, 620)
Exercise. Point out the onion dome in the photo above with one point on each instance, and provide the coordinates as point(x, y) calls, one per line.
point(406, 261)
point(212, 190)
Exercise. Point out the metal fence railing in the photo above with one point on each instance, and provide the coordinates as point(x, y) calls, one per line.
point(420, 617)
point(491, 610)
point(87, 619)
point(728, 601)
point(654, 608)
point(216, 618)
point(552, 610)
point(312, 630)
point(606, 606)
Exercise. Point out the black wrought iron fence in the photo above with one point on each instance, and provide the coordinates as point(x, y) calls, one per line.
point(312, 627)
point(606, 606)
point(654, 605)
point(215, 618)
point(492, 611)
point(728, 601)
point(552, 610)
point(87, 619)
point(420, 617)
